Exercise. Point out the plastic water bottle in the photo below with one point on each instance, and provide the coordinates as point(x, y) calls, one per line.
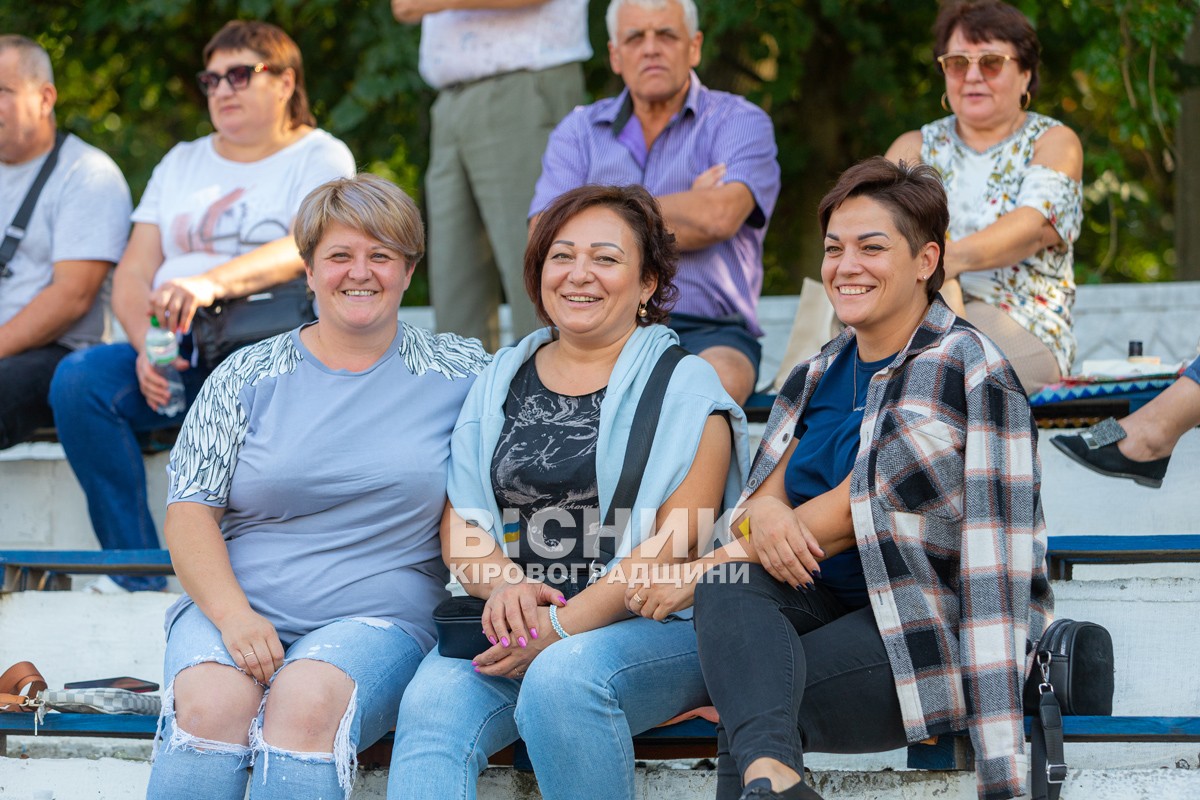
point(161, 351)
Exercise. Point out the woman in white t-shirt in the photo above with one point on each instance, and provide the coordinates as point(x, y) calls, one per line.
point(215, 222)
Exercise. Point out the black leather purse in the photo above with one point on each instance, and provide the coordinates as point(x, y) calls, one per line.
point(459, 620)
point(1073, 675)
point(228, 325)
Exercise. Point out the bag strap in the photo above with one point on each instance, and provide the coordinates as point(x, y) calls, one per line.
point(1048, 763)
point(641, 437)
point(16, 678)
point(16, 231)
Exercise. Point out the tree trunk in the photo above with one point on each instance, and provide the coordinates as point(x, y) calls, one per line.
point(1187, 176)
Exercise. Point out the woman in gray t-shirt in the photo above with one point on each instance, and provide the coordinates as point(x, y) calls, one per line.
point(306, 490)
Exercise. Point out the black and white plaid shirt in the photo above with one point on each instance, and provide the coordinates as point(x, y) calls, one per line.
point(945, 498)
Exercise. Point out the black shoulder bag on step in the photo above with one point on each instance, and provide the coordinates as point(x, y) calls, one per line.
point(459, 620)
point(1072, 676)
point(15, 232)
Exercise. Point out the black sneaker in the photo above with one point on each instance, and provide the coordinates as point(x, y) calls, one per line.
point(760, 789)
point(1096, 449)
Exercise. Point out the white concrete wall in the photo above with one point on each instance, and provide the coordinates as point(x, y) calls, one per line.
point(112, 779)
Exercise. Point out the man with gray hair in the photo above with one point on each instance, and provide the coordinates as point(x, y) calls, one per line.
point(53, 284)
point(708, 157)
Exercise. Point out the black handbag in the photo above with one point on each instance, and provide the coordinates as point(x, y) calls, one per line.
point(228, 325)
point(459, 620)
point(1073, 675)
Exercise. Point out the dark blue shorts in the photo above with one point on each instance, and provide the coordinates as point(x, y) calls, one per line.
point(697, 334)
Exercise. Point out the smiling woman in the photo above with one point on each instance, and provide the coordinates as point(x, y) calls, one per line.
point(535, 462)
point(858, 625)
point(303, 519)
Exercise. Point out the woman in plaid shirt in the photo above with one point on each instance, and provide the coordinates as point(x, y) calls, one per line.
point(898, 550)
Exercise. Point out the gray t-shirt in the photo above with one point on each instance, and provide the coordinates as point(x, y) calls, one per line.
point(82, 214)
point(333, 482)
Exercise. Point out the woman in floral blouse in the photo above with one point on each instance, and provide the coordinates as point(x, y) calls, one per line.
point(1013, 181)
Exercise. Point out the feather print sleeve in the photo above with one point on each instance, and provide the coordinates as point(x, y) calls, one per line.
point(450, 354)
point(204, 455)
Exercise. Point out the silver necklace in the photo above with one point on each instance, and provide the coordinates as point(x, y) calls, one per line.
point(854, 386)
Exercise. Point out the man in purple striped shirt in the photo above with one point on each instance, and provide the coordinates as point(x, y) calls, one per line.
point(710, 159)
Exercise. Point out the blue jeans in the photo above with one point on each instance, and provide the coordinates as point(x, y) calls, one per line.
point(99, 411)
point(577, 708)
point(379, 657)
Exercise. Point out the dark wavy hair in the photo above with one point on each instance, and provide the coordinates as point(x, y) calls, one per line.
point(981, 20)
point(639, 210)
point(277, 50)
point(914, 195)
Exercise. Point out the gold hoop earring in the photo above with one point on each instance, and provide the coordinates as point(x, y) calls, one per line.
point(1026, 99)
point(945, 105)
point(642, 313)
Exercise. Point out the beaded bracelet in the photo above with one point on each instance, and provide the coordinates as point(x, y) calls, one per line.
point(554, 623)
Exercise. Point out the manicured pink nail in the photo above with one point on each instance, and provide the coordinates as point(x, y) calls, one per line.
point(492, 639)
point(504, 641)
point(477, 669)
point(562, 599)
point(521, 641)
point(533, 632)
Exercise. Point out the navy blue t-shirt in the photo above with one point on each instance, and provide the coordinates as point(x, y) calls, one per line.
point(826, 446)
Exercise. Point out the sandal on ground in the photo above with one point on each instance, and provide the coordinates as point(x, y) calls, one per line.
point(1096, 448)
point(760, 789)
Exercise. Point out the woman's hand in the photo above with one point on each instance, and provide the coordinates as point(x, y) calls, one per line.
point(512, 662)
point(785, 546)
point(672, 587)
point(176, 301)
point(510, 616)
point(153, 385)
point(253, 643)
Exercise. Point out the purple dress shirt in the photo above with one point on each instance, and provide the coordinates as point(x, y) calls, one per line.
point(603, 143)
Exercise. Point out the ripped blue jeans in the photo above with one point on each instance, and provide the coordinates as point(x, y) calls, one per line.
point(378, 656)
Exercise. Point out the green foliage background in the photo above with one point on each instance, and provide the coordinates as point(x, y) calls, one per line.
point(840, 78)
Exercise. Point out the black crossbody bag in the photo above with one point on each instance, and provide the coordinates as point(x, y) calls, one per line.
point(1072, 676)
point(15, 232)
point(228, 325)
point(459, 620)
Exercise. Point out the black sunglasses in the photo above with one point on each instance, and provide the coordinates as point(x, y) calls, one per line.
point(238, 77)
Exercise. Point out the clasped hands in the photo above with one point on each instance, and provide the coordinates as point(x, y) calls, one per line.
point(516, 620)
point(767, 528)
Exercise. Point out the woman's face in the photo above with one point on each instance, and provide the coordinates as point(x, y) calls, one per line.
point(871, 276)
point(358, 280)
point(260, 106)
point(980, 101)
point(591, 284)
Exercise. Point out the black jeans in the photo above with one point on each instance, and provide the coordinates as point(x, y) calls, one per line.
point(790, 671)
point(24, 389)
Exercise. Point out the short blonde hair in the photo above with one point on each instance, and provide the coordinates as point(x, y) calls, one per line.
point(366, 203)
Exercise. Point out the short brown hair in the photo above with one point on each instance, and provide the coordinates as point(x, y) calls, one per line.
point(914, 195)
point(981, 20)
point(276, 49)
point(366, 203)
point(638, 209)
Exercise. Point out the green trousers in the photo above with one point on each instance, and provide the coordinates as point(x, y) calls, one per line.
point(486, 155)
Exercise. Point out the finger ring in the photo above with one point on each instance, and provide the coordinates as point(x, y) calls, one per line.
point(249, 656)
point(637, 598)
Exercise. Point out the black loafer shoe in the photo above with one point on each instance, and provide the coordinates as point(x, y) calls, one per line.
point(1099, 453)
point(760, 789)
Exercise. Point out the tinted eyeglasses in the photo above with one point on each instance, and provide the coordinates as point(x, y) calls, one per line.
point(990, 64)
point(238, 77)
